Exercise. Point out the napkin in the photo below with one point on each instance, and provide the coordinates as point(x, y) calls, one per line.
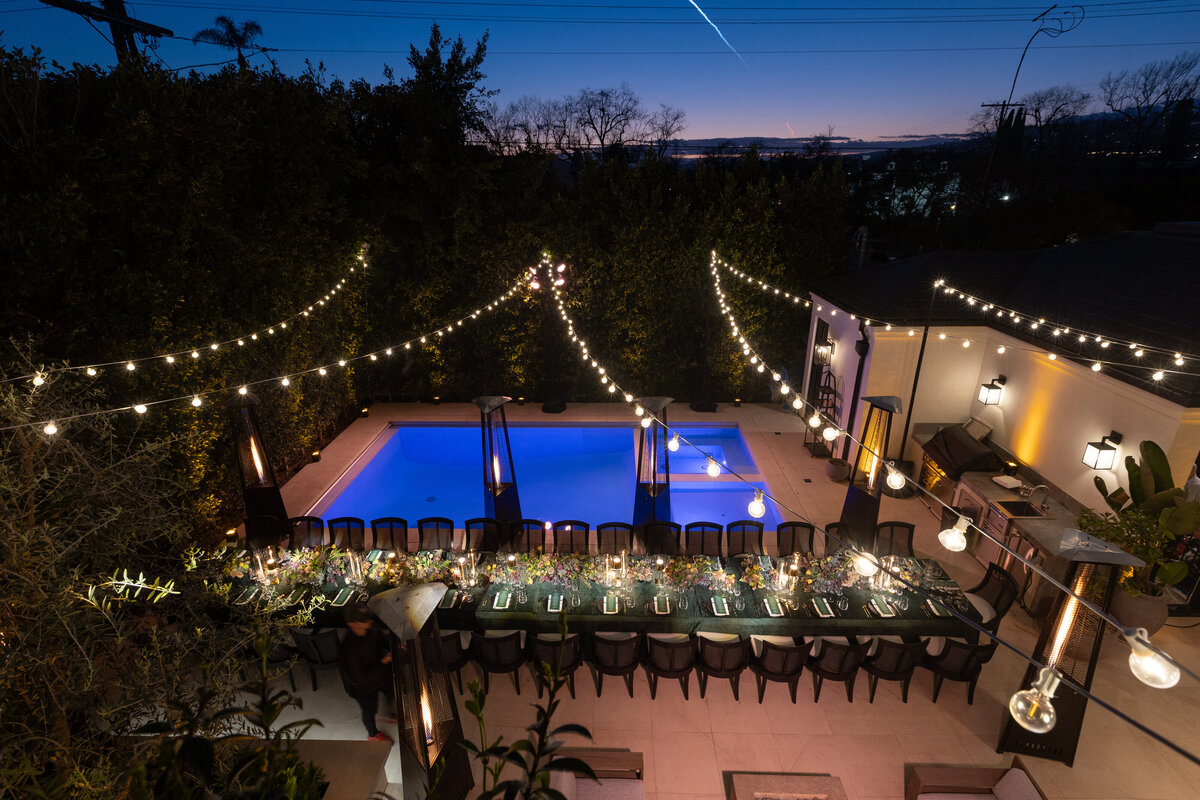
point(294, 597)
point(448, 599)
point(610, 604)
point(881, 607)
point(343, 597)
point(822, 607)
point(773, 607)
point(503, 598)
point(720, 607)
point(248, 595)
point(938, 609)
point(662, 604)
point(554, 603)
point(374, 555)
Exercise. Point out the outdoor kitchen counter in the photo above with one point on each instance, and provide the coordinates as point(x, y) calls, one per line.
point(1045, 532)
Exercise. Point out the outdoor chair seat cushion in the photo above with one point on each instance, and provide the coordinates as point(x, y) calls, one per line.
point(982, 606)
point(1015, 785)
point(607, 789)
point(756, 642)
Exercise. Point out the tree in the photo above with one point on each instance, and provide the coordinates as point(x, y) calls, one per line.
point(1048, 109)
point(230, 35)
point(663, 126)
point(609, 118)
point(1150, 94)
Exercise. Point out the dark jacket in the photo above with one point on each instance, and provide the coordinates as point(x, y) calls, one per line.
point(362, 672)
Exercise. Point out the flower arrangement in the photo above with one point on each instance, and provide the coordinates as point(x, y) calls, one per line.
point(828, 575)
point(237, 566)
point(698, 572)
point(755, 576)
point(531, 568)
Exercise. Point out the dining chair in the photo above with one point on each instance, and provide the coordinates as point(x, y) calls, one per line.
point(669, 655)
point(744, 537)
point(794, 537)
point(661, 537)
point(306, 532)
point(552, 651)
point(615, 653)
point(702, 539)
point(265, 530)
point(281, 660)
point(389, 533)
point(526, 536)
point(572, 536)
point(435, 533)
point(721, 656)
point(449, 654)
point(994, 596)
point(894, 539)
point(836, 661)
point(613, 537)
point(777, 658)
point(319, 649)
point(347, 533)
point(482, 534)
point(893, 660)
point(834, 538)
point(958, 661)
point(499, 652)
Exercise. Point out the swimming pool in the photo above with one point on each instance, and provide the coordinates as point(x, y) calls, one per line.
point(583, 472)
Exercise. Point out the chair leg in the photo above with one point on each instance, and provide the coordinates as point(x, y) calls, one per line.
point(312, 673)
point(598, 677)
point(537, 681)
point(684, 683)
point(485, 680)
point(793, 684)
point(653, 681)
point(904, 688)
point(516, 673)
point(872, 682)
point(701, 679)
point(817, 681)
point(629, 683)
point(937, 686)
point(570, 684)
point(850, 688)
point(762, 686)
point(971, 690)
point(734, 683)
point(458, 678)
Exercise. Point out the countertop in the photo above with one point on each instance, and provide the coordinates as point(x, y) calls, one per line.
point(1045, 532)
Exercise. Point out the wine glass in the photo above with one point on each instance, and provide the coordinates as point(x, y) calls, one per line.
point(521, 597)
point(843, 603)
point(683, 602)
point(739, 604)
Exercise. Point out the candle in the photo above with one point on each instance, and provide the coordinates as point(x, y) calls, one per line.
point(462, 575)
point(622, 562)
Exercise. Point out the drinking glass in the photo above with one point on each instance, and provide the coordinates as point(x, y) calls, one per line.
point(739, 604)
point(901, 602)
point(522, 597)
point(683, 602)
point(843, 603)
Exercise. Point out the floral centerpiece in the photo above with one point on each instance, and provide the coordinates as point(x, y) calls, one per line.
point(698, 572)
point(238, 566)
point(828, 575)
point(756, 576)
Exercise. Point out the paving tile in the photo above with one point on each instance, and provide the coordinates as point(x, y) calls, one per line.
point(746, 752)
point(685, 763)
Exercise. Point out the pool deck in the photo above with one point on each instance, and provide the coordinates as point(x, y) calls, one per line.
point(687, 744)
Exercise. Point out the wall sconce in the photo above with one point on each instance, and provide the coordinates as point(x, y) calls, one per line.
point(1101, 454)
point(989, 393)
point(823, 354)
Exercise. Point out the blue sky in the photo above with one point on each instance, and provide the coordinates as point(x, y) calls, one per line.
point(870, 69)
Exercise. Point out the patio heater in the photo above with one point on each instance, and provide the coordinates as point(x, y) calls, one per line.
point(1070, 642)
point(860, 511)
point(260, 489)
point(652, 496)
point(500, 498)
point(427, 715)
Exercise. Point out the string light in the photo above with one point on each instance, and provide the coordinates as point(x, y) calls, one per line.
point(140, 408)
point(712, 468)
point(1032, 708)
point(864, 563)
point(50, 428)
point(757, 507)
point(830, 433)
point(895, 478)
point(955, 539)
point(1149, 667)
point(673, 443)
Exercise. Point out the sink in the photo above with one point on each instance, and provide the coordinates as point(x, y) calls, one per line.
point(1019, 508)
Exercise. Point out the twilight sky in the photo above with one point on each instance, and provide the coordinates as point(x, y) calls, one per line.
point(870, 68)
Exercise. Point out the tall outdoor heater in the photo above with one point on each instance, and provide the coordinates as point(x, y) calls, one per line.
point(500, 498)
point(266, 517)
point(1070, 642)
point(860, 511)
point(652, 497)
point(427, 715)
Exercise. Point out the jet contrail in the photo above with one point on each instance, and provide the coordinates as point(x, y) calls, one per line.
point(718, 30)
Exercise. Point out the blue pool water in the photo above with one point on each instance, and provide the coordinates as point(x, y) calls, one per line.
point(582, 473)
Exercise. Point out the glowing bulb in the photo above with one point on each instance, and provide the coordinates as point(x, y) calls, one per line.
point(966, 342)
point(1158, 376)
point(756, 507)
point(628, 398)
point(612, 388)
point(865, 564)
point(38, 380)
point(713, 468)
point(374, 357)
point(196, 401)
point(1001, 349)
point(1148, 666)
point(830, 433)
point(52, 429)
point(1032, 708)
point(895, 478)
point(140, 408)
point(321, 371)
point(1052, 357)
point(342, 362)
point(1096, 367)
point(942, 336)
point(784, 388)
point(213, 347)
point(955, 539)
point(814, 420)
point(129, 365)
point(241, 342)
point(761, 367)
point(797, 404)
point(286, 382)
point(91, 371)
point(645, 422)
point(170, 360)
point(243, 390)
point(639, 411)
point(673, 444)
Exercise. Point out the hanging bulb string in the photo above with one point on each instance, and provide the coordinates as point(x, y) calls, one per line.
point(195, 353)
point(774, 291)
point(748, 350)
point(286, 378)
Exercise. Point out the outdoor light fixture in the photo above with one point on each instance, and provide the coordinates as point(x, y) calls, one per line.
point(989, 393)
point(757, 508)
point(1101, 454)
point(823, 353)
point(865, 564)
point(797, 404)
point(830, 433)
point(1148, 666)
point(815, 420)
point(713, 468)
point(1032, 708)
point(895, 478)
point(673, 444)
point(955, 539)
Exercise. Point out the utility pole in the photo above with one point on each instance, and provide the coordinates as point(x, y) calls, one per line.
point(122, 26)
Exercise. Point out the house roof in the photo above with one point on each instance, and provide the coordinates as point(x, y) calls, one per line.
point(1141, 286)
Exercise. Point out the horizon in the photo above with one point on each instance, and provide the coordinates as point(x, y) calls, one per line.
point(874, 70)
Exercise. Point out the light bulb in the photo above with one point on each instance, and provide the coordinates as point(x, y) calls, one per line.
point(895, 478)
point(612, 389)
point(1032, 708)
point(52, 429)
point(129, 365)
point(673, 444)
point(140, 408)
point(1148, 666)
point(955, 539)
point(756, 507)
point(713, 468)
point(195, 354)
point(784, 388)
point(865, 564)
point(830, 433)
point(639, 411)
point(243, 390)
point(38, 380)
point(196, 401)
point(761, 368)
point(814, 420)
point(645, 422)
point(91, 371)
point(285, 382)
point(321, 371)
point(797, 404)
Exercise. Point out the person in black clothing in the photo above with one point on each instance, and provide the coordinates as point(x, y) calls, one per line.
point(365, 663)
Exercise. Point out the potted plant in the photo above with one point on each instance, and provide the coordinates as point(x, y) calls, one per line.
point(1146, 521)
